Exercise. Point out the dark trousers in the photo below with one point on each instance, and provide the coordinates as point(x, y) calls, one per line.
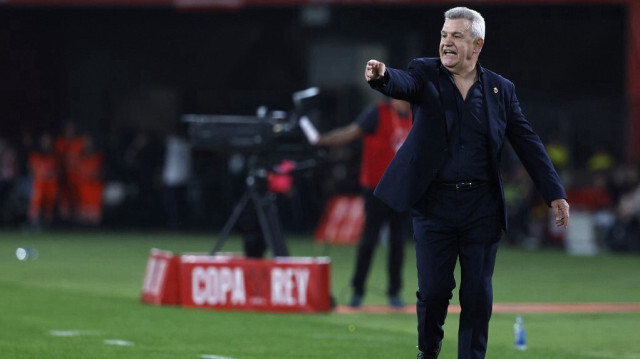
point(376, 214)
point(451, 225)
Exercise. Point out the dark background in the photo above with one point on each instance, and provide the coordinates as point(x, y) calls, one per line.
point(119, 71)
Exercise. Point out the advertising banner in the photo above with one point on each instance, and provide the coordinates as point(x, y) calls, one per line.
point(342, 221)
point(282, 284)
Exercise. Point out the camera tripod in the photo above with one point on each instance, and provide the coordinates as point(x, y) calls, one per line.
point(266, 210)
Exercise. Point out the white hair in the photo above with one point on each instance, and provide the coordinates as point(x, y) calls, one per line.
point(477, 21)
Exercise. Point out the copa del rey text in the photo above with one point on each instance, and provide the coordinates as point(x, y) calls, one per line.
point(226, 285)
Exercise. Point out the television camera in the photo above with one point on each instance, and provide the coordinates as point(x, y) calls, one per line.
point(266, 138)
point(268, 133)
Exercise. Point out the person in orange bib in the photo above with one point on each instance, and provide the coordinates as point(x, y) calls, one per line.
point(90, 184)
point(44, 167)
point(68, 147)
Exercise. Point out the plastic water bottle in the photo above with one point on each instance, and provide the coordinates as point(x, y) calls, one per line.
point(520, 334)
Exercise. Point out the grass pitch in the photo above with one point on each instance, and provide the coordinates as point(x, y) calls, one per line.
point(80, 299)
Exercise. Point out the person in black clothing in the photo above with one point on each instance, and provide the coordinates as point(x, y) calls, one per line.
point(383, 127)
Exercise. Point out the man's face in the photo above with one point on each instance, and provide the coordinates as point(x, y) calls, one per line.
point(458, 50)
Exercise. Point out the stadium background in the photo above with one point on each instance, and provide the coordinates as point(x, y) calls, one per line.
point(119, 68)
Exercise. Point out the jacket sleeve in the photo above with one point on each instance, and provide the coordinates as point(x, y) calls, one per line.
point(531, 152)
point(403, 84)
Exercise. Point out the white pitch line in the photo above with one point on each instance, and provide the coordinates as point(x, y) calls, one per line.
point(211, 356)
point(71, 333)
point(64, 333)
point(118, 342)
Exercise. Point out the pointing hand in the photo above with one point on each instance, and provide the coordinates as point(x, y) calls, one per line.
point(374, 70)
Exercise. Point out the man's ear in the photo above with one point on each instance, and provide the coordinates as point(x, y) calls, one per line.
point(478, 43)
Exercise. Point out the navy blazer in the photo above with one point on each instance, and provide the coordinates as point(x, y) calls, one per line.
point(423, 153)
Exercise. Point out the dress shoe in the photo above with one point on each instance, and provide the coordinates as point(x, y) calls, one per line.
point(432, 355)
point(396, 302)
point(422, 355)
point(356, 301)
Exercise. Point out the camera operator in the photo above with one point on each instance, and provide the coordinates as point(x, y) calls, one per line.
point(383, 127)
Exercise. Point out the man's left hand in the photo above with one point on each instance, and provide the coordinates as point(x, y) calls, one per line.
point(560, 212)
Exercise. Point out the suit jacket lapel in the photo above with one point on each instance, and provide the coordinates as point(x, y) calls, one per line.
point(492, 97)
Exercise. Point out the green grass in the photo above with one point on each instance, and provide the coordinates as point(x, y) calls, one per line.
point(89, 284)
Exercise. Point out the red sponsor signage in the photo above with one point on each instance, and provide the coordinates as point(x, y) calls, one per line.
point(284, 284)
point(342, 221)
point(160, 284)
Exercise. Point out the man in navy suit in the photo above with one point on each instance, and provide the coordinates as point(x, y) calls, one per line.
point(447, 174)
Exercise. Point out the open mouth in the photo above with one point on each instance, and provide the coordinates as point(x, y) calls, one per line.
point(449, 52)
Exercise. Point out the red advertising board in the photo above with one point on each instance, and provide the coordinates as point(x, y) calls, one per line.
point(232, 282)
point(342, 221)
point(283, 284)
point(160, 285)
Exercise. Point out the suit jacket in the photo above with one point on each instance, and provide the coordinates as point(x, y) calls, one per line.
point(423, 153)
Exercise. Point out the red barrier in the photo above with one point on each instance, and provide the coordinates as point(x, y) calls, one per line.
point(160, 285)
point(342, 221)
point(283, 284)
